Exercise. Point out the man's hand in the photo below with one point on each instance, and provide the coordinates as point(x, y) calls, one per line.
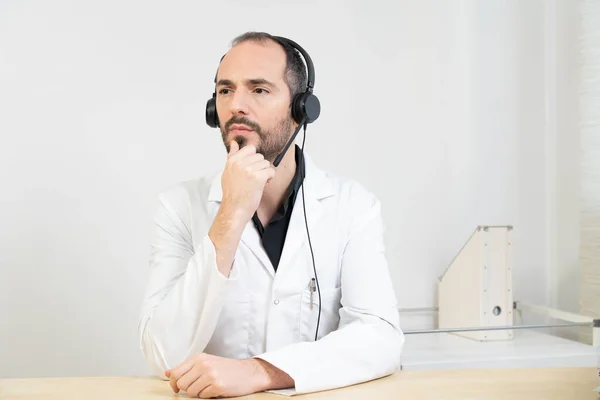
point(243, 182)
point(209, 376)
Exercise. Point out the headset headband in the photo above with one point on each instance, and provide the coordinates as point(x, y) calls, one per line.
point(310, 69)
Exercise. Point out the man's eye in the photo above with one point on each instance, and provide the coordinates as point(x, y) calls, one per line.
point(260, 91)
point(224, 91)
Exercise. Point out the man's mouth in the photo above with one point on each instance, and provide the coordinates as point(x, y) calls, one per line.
point(240, 129)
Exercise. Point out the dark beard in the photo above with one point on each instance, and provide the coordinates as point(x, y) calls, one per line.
point(271, 142)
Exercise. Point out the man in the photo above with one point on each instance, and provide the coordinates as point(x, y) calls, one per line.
point(234, 298)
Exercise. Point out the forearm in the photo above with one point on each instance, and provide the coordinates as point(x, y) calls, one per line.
point(359, 351)
point(179, 320)
point(225, 233)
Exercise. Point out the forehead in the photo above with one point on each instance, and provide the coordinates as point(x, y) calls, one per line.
point(252, 60)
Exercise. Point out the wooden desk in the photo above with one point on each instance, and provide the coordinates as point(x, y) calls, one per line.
point(514, 384)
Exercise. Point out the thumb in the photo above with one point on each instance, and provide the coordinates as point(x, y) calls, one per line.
point(233, 147)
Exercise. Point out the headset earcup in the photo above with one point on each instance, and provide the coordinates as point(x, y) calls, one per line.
point(306, 105)
point(312, 108)
point(212, 118)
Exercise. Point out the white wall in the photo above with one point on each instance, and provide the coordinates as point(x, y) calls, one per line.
point(555, 70)
point(568, 155)
point(589, 103)
point(102, 105)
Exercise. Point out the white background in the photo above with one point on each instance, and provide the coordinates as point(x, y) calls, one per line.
point(455, 113)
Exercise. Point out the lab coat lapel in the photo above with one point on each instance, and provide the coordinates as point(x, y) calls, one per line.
point(316, 187)
point(250, 236)
point(251, 239)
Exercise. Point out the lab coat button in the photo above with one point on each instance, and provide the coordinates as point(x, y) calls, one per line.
point(276, 302)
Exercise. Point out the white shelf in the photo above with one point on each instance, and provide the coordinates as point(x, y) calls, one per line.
point(528, 349)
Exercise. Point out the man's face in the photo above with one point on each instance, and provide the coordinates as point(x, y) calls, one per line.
point(253, 100)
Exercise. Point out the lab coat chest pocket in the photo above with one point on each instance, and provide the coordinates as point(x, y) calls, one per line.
point(309, 312)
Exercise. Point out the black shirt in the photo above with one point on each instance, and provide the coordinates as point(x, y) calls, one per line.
point(273, 235)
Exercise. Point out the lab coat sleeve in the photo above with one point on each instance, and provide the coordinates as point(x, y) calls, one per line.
point(185, 290)
point(368, 342)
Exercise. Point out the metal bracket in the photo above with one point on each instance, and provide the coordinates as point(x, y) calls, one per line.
point(573, 320)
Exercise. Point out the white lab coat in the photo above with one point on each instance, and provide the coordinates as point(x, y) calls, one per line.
point(190, 307)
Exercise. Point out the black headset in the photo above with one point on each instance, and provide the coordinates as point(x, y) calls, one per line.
point(305, 106)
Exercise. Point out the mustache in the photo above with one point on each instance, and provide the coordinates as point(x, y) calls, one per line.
point(243, 121)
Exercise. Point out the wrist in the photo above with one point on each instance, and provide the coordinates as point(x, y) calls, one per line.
point(260, 378)
point(269, 377)
point(234, 217)
point(225, 234)
point(226, 228)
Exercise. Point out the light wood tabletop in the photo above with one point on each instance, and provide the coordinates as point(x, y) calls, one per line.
point(514, 384)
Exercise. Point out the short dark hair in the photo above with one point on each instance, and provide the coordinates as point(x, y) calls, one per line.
point(295, 71)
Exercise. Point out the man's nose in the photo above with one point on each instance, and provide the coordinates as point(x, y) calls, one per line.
point(239, 103)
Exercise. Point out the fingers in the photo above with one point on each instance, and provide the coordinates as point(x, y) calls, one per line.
point(252, 160)
point(208, 392)
point(173, 383)
point(262, 170)
point(267, 174)
point(249, 159)
point(236, 153)
point(202, 384)
point(177, 372)
point(190, 377)
point(181, 369)
point(258, 165)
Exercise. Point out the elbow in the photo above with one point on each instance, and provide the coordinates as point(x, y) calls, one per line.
point(389, 343)
point(394, 347)
point(400, 339)
point(161, 348)
point(382, 349)
point(398, 349)
point(155, 356)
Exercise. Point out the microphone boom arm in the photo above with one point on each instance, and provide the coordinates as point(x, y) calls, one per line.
point(280, 156)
